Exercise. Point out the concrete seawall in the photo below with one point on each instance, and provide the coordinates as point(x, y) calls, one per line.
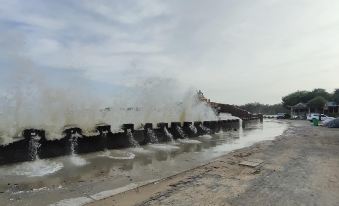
point(34, 145)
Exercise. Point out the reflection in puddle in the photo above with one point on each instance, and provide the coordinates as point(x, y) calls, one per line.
point(117, 154)
point(163, 147)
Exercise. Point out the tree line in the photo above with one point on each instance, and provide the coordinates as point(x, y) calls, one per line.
point(257, 107)
point(316, 98)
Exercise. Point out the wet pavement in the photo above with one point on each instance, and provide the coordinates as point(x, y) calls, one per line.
point(60, 180)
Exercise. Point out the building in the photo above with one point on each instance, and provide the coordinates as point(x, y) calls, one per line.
point(299, 110)
point(331, 109)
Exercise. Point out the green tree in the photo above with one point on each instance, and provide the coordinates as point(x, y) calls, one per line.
point(335, 96)
point(305, 96)
point(263, 108)
point(296, 97)
point(319, 92)
point(317, 102)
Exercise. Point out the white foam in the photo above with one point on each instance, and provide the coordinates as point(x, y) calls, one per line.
point(36, 168)
point(220, 132)
point(206, 136)
point(189, 141)
point(163, 147)
point(140, 150)
point(118, 154)
point(77, 160)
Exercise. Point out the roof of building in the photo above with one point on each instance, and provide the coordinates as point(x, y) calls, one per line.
point(331, 104)
point(300, 105)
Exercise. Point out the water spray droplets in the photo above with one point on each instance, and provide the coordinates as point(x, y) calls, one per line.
point(131, 139)
point(152, 136)
point(205, 129)
point(168, 135)
point(193, 128)
point(181, 132)
point(74, 142)
point(34, 146)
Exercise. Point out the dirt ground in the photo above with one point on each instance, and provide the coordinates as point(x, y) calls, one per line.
point(301, 167)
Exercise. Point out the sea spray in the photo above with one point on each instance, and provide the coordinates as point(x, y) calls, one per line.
point(34, 146)
point(156, 100)
point(180, 132)
point(74, 158)
point(152, 136)
point(33, 98)
point(193, 129)
point(205, 129)
point(168, 135)
point(55, 115)
point(74, 142)
point(131, 139)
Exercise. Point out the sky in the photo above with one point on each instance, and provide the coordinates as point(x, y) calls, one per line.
point(234, 51)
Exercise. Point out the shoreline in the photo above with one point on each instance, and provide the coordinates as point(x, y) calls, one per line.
point(87, 178)
point(210, 180)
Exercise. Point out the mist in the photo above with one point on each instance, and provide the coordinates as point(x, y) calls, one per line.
point(30, 98)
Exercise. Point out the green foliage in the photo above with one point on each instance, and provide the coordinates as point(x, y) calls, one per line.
point(296, 97)
point(264, 108)
point(335, 96)
point(322, 93)
point(317, 102)
point(315, 99)
point(305, 96)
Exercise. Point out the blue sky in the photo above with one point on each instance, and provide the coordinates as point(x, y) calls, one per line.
point(235, 51)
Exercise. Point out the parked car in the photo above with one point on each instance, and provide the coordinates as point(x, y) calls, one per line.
point(312, 116)
point(283, 116)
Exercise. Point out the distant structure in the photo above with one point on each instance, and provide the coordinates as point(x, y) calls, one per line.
point(202, 97)
point(300, 110)
point(227, 108)
point(331, 108)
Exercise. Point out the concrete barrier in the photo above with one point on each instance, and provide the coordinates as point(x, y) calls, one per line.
point(150, 136)
point(190, 129)
point(32, 144)
point(177, 131)
point(200, 128)
point(160, 131)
